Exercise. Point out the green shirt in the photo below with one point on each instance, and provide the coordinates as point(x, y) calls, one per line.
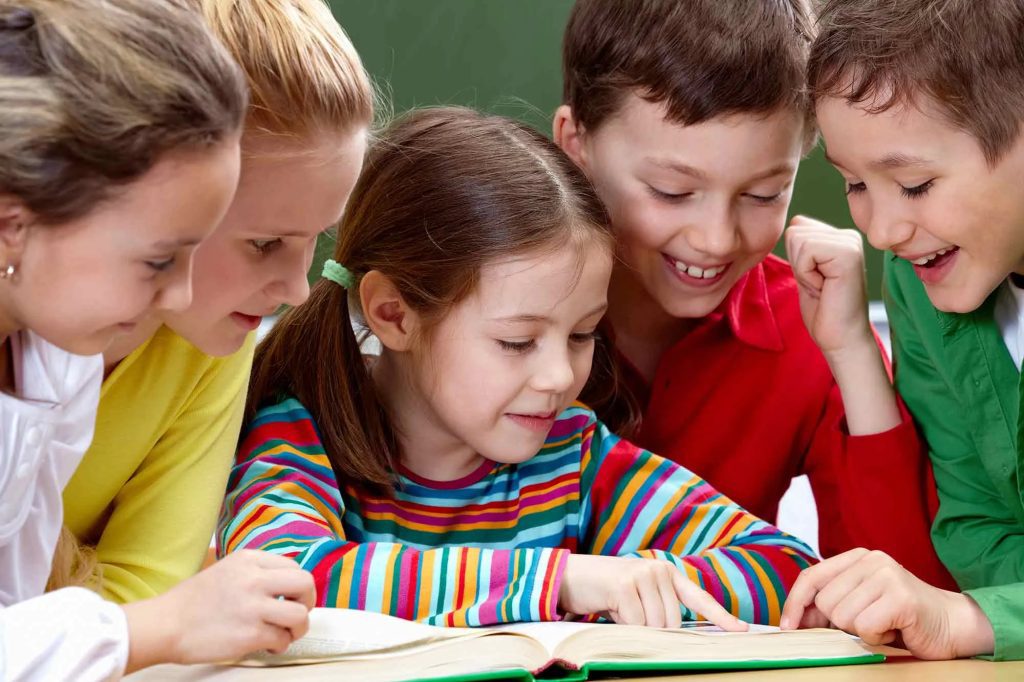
point(960, 383)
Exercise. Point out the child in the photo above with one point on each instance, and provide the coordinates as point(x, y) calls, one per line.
point(147, 493)
point(690, 118)
point(921, 105)
point(453, 479)
point(119, 126)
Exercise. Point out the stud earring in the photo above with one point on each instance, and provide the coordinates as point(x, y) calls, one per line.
point(8, 272)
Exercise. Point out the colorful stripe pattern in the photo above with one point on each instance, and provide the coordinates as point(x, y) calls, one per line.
point(494, 550)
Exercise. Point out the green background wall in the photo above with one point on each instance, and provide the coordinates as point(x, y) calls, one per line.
point(504, 56)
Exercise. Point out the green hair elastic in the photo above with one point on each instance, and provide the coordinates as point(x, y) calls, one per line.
point(338, 273)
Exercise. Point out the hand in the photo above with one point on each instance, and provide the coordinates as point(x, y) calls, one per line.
point(223, 613)
point(828, 264)
point(870, 595)
point(637, 591)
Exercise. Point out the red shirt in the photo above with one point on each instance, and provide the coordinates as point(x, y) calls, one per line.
point(746, 401)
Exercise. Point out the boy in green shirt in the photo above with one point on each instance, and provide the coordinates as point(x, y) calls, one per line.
point(921, 104)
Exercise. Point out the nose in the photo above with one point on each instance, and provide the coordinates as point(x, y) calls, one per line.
point(717, 235)
point(554, 372)
point(176, 294)
point(887, 227)
point(291, 285)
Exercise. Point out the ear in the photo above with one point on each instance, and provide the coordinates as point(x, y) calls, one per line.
point(569, 136)
point(14, 220)
point(386, 313)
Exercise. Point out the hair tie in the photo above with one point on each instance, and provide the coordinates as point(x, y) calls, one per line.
point(338, 273)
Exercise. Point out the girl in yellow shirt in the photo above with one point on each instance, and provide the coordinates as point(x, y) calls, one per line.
point(147, 493)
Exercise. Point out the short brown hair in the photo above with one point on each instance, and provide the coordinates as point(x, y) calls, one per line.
point(93, 93)
point(304, 75)
point(444, 192)
point(965, 56)
point(701, 58)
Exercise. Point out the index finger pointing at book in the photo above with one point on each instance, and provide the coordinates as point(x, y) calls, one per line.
point(811, 581)
point(702, 603)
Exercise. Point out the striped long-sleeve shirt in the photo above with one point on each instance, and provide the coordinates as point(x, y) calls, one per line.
point(492, 547)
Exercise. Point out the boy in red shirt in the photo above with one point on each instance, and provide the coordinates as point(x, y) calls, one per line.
point(690, 117)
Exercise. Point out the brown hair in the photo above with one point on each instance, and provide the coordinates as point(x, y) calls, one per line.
point(701, 58)
point(92, 94)
point(443, 192)
point(966, 57)
point(304, 74)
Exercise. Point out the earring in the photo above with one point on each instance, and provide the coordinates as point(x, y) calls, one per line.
point(8, 272)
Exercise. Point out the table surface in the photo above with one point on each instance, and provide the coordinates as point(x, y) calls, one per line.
point(893, 670)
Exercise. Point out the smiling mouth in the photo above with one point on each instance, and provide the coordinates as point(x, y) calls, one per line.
point(698, 272)
point(937, 258)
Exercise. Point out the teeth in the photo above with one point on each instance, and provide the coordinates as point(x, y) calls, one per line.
point(698, 273)
point(928, 259)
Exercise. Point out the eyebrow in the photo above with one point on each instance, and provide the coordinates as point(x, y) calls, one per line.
point(678, 167)
point(543, 318)
point(297, 234)
point(176, 244)
point(898, 160)
point(786, 168)
point(893, 161)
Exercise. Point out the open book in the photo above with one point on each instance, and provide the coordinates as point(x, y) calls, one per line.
point(370, 647)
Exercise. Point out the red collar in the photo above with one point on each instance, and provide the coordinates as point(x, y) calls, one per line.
point(748, 309)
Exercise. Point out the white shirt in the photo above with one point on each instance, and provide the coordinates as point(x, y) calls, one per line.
point(45, 429)
point(1008, 314)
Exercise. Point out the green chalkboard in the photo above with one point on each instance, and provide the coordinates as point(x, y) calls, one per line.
point(504, 56)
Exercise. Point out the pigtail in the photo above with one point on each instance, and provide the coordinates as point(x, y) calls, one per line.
point(313, 353)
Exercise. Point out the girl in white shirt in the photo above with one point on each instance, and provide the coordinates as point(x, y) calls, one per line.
point(119, 125)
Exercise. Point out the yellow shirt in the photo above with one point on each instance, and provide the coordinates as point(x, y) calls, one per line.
point(149, 489)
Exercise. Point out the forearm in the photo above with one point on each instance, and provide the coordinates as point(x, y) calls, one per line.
point(451, 586)
point(869, 398)
point(751, 582)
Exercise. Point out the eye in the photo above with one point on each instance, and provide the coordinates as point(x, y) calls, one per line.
point(917, 191)
point(160, 265)
point(766, 201)
point(855, 188)
point(583, 338)
point(667, 196)
point(515, 346)
point(264, 246)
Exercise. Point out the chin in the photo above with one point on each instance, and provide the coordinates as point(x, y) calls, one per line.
point(688, 308)
point(957, 300)
point(215, 342)
point(84, 345)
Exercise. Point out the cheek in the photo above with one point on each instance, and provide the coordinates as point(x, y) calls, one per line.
point(582, 363)
point(763, 229)
point(860, 211)
point(644, 226)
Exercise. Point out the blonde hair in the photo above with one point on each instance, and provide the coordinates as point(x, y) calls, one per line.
point(303, 72)
point(93, 92)
point(74, 564)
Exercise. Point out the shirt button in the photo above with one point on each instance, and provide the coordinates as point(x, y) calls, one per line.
point(33, 436)
point(25, 469)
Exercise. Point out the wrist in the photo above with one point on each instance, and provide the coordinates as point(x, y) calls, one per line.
point(860, 350)
point(970, 629)
point(154, 634)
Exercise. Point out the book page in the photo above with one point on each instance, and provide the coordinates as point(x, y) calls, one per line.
point(695, 644)
point(347, 632)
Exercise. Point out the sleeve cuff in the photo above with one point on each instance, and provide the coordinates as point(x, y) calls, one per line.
point(1003, 605)
point(70, 634)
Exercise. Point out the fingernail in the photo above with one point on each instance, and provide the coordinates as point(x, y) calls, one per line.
point(784, 623)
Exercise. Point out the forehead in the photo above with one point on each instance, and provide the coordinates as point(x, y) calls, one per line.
point(855, 134)
point(290, 185)
point(732, 143)
point(176, 203)
point(560, 281)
